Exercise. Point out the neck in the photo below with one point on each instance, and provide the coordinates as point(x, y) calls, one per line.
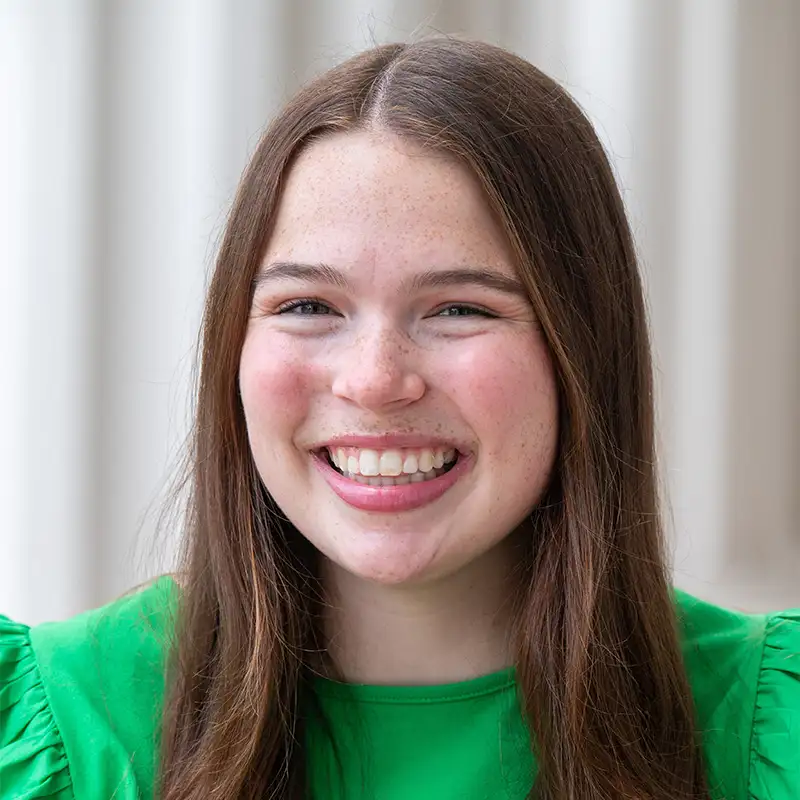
point(443, 631)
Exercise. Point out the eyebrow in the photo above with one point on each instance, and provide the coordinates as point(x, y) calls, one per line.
point(429, 279)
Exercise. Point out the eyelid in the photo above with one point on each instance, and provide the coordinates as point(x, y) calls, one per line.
point(297, 302)
point(290, 305)
point(479, 310)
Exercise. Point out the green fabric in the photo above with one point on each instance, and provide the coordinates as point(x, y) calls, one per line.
point(80, 702)
point(464, 740)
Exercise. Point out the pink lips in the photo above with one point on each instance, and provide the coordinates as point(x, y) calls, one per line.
point(391, 498)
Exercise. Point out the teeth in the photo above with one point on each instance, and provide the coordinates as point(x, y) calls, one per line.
point(400, 480)
point(369, 463)
point(391, 463)
point(425, 461)
point(404, 465)
point(410, 465)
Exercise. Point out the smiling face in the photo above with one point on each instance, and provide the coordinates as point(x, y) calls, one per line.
point(389, 334)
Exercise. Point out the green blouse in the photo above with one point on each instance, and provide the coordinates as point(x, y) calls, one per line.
point(80, 702)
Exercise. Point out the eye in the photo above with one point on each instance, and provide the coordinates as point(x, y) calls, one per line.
point(461, 310)
point(304, 307)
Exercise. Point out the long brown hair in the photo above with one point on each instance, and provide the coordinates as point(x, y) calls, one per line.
point(601, 678)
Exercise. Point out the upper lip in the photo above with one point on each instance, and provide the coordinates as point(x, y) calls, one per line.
point(389, 441)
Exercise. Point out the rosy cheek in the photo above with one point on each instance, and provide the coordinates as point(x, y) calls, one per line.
point(507, 390)
point(498, 378)
point(276, 377)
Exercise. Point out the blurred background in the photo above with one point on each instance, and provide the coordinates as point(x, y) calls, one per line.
point(125, 127)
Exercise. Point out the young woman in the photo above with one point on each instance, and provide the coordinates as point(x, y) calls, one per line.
point(423, 551)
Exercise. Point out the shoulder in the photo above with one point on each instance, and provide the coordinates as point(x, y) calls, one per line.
point(80, 700)
point(745, 675)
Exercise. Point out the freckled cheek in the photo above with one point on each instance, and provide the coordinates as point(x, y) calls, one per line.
point(507, 392)
point(277, 381)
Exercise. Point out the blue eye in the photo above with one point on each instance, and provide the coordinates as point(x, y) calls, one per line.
point(304, 307)
point(460, 310)
point(308, 307)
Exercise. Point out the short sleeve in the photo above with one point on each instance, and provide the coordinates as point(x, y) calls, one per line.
point(775, 739)
point(33, 760)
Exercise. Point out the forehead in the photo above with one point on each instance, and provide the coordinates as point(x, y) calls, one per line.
point(367, 194)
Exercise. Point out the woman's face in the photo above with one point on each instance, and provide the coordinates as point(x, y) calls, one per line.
point(389, 334)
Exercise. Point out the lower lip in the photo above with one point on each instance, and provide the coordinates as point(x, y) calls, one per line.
point(390, 499)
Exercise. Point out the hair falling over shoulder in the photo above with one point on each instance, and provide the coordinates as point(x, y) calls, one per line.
point(601, 677)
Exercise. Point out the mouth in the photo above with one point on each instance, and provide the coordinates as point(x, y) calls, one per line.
point(390, 467)
point(391, 480)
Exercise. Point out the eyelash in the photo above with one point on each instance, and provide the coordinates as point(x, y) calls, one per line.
point(303, 301)
point(308, 301)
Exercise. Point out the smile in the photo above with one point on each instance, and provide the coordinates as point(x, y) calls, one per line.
point(391, 480)
point(391, 467)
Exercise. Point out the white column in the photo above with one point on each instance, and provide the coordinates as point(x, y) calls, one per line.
point(167, 185)
point(764, 387)
point(51, 234)
point(327, 33)
point(703, 275)
point(16, 100)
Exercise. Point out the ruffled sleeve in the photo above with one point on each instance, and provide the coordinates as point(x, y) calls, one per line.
point(33, 760)
point(775, 739)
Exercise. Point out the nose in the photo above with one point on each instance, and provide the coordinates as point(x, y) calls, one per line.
point(377, 372)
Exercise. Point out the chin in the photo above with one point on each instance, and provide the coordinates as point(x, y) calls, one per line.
point(386, 569)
